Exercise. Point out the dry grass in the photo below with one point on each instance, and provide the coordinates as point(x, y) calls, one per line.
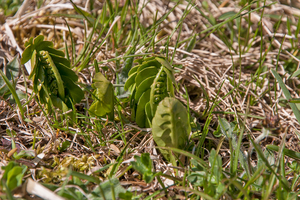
point(211, 63)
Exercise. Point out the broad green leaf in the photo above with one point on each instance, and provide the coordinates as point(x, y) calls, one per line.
point(144, 86)
point(140, 117)
point(38, 39)
point(145, 73)
point(33, 64)
point(56, 52)
point(104, 96)
point(59, 59)
point(42, 45)
point(13, 174)
point(12, 72)
point(13, 92)
point(73, 90)
point(127, 66)
point(58, 103)
point(27, 53)
point(133, 70)
point(66, 72)
point(144, 166)
point(13, 69)
point(130, 81)
point(123, 76)
point(151, 63)
point(29, 42)
point(216, 165)
point(170, 125)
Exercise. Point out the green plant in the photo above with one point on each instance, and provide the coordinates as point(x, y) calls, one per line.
point(210, 181)
point(149, 82)
point(53, 80)
point(171, 126)
point(10, 7)
point(103, 96)
point(13, 175)
point(144, 166)
point(8, 82)
point(23, 153)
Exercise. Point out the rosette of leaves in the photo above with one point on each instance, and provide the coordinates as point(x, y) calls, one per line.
point(171, 126)
point(149, 82)
point(52, 76)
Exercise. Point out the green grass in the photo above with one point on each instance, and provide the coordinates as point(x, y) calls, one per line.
point(227, 155)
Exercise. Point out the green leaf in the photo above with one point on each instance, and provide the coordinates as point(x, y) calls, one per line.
point(133, 70)
point(164, 63)
point(144, 86)
point(13, 69)
point(287, 152)
point(64, 146)
point(66, 72)
point(130, 81)
point(33, 64)
point(59, 59)
point(14, 93)
point(144, 166)
point(42, 45)
point(170, 125)
point(126, 196)
point(58, 103)
point(144, 74)
point(53, 51)
point(60, 83)
point(149, 63)
point(140, 111)
point(287, 94)
point(12, 72)
point(123, 76)
point(227, 15)
point(109, 189)
point(38, 39)
point(73, 90)
point(104, 96)
point(13, 174)
point(29, 42)
point(27, 53)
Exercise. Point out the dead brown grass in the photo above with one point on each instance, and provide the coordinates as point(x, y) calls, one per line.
point(211, 62)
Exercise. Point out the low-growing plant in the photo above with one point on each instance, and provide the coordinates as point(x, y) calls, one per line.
point(53, 80)
point(13, 175)
point(153, 103)
point(10, 7)
point(171, 126)
point(103, 96)
point(149, 82)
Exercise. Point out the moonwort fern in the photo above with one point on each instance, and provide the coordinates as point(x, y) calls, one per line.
point(53, 79)
point(154, 105)
point(149, 82)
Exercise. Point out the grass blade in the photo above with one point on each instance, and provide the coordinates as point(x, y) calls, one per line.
point(287, 94)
